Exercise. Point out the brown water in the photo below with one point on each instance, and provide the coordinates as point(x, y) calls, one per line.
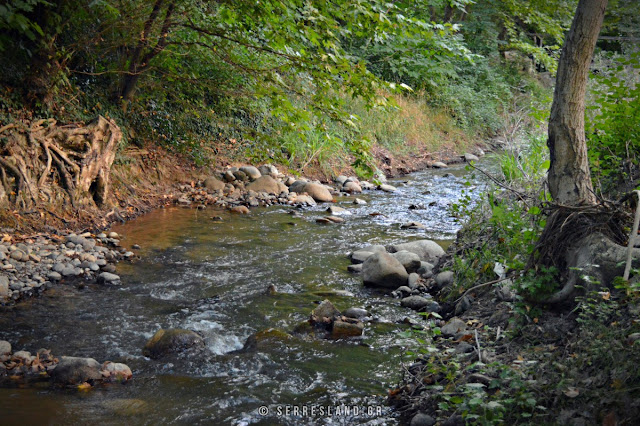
point(212, 277)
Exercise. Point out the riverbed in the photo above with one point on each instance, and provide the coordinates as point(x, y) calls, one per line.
point(212, 276)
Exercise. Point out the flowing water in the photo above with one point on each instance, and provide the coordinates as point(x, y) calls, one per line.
point(211, 277)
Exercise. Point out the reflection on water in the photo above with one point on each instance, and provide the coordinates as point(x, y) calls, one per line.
point(212, 277)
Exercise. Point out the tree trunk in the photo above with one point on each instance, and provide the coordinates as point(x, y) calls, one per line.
point(569, 175)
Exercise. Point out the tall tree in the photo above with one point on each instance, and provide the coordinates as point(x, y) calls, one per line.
point(569, 175)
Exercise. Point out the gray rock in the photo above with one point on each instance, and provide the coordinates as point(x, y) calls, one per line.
point(355, 313)
point(213, 184)
point(19, 255)
point(422, 419)
point(387, 188)
point(305, 200)
point(439, 165)
point(55, 276)
point(325, 312)
point(415, 302)
point(352, 187)
point(360, 256)
point(425, 270)
point(251, 171)
point(412, 225)
point(72, 370)
point(355, 268)
point(341, 179)
point(172, 341)
point(359, 201)
point(268, 170)
point(4, 287)
point(5, 347)
point(412, 282)
point(228, 176)
point(298, 186)
point(409, 260)
point(17, 285)
point(265, 184)
point(464, 348)
point(468, 157)
point(453, 327)
point(428, 250)
point(318, 192)
point(108, 278)
point(336, 210)
point(113, 235)
point(383, 270)
point(404, 290)
point(444, 279)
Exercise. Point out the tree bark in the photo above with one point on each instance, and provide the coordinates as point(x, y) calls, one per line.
point(569, 175)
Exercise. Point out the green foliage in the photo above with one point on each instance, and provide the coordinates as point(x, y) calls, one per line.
point(527, 166)
point(14, 17)
point(613, 123)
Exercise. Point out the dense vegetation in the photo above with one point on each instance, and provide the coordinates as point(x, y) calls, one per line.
point(281, 78)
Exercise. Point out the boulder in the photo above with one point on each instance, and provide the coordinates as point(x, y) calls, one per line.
point(428, 250)
point(355, 313)
point(318, 192)
point(415, 302)
point(344, 329)
point(73, 370)
point(359, 201)
point(383, 270)
point(409, 260)
point(352, 187)
point(213, 184)
point(439, 165)
point(252, 172)
point(265, 184)
point(170, 341)
point(468, 157)
point(298, 186)
point(340, 180)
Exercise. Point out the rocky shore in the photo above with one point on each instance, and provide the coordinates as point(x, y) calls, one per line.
point(32, 264)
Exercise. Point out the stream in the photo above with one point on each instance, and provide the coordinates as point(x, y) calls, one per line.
point(212, 277)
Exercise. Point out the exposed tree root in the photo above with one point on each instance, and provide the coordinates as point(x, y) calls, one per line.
point(586, 243)
point(44, 163)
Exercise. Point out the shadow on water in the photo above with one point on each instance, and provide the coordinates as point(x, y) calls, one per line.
point(211, 277)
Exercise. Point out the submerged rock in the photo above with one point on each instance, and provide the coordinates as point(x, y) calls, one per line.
point(265, 338)
point(344, 329)
point(172, 340)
